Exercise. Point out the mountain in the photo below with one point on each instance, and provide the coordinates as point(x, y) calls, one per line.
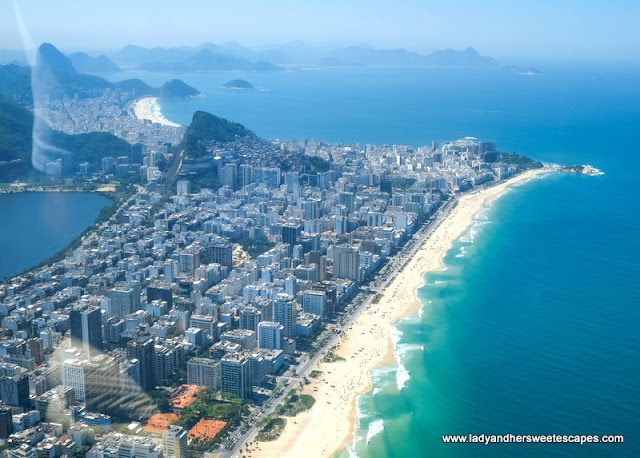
point(84, 63)
point(55, 76)
point(177, 89)
point(467, 58)
point(206, 60)
point(15, 83)
point(205, 128)
point(207, 57)
point(362, 55)
point(16, 142)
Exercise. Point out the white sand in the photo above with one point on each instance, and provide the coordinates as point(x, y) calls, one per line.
point(329, 425)
point(146, 108)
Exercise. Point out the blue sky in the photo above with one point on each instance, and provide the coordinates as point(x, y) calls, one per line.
point(562, 28)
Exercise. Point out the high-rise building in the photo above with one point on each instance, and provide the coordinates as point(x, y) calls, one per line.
point(6, 422)
point(291, 232)
point(235, 373)
point(35, 346)
point(174, 442)
point(113, 327)
point(125, 299)
point(189, 260)
point(183, 187)
point(101, 382)
point(136, 153)
point(315, 302)
point(246, 174)
point(249, 318)
point(204, 372)
point(345, 262)
point(222, 253)
point(285, 311)
point(86, 328)
point(270, 335)
point(160, 291)
point(14, 385)
point(229, 175)
point(142, 349)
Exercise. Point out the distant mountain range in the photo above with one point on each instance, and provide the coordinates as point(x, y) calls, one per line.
point(235, 57)
point(56, 76)
point(187, 59)
point(231, 56)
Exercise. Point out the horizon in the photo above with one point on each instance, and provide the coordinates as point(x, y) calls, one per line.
point(530, 30)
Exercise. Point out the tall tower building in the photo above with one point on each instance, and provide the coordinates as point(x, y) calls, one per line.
point(142, 349)
point(86, 329)
point(125, 299)
point(249, 318)
point(285, 311)
point(345, 262)
point(222, 253)
point(270, 335)
point(174, 442)
point(235, 373)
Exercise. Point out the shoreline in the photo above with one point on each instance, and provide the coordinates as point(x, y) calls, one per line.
point(147, 108)
point(329, 425)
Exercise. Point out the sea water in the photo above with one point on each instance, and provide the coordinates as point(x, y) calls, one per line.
point(533, 326)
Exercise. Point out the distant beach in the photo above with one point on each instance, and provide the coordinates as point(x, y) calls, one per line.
point(328, 426)
point(148, 108)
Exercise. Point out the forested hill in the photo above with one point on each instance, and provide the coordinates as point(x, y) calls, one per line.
point(16, 130)
point(206, 128)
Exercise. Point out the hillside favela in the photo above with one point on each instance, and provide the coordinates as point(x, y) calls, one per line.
point(187, 269)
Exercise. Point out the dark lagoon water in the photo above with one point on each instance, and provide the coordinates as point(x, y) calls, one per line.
point(533, 326)
point(36, 225)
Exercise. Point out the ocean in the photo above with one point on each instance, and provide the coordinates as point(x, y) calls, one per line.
point(532, 326)
point(36, 225)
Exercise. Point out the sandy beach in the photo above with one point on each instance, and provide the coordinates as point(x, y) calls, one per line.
point(329, 425)
point(145, 109)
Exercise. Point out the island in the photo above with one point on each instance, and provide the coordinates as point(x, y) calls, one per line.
point(238, 84)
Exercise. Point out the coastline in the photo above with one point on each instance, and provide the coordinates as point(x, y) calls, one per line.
point(147, 108)
point(329, 425)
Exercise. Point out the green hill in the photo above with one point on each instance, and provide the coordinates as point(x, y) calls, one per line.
point(16, 129)
point(206, 128)
point(177, 89)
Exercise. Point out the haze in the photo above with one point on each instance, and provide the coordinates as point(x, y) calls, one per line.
point(572, 28)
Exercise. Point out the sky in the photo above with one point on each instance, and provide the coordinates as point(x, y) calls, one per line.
point(583, 29)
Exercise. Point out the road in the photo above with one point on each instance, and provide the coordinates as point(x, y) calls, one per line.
point(240, 438)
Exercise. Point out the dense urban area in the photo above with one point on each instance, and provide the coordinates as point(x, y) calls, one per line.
point(187, 319)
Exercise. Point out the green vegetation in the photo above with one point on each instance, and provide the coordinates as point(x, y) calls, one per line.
point(271, 430)
point(208, 406)
point(315, 374)
point(523, 162)
point(15, 83)
point(315, 165)
point(295, 404)
point(205, 128)
point(331, 357)
point(255, 248)
point(177, 89)
point(238, 84)
point(16, 128)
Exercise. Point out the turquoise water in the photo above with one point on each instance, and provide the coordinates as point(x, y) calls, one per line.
point(36, 225)
point(533, 326)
